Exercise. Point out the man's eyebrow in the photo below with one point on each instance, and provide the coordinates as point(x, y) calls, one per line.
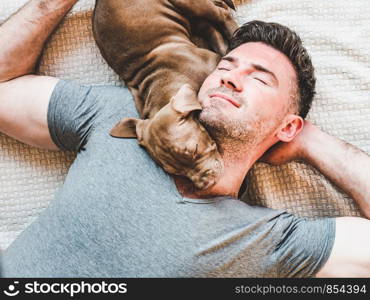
point(263, 69)
point(258, 67)
point(231, 59)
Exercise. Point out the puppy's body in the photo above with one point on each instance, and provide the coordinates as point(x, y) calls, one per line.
point(149, 44)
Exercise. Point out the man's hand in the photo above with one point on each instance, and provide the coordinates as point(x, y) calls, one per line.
point(282, 152)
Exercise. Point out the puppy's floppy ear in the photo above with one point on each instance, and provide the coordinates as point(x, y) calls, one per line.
point(185, 101)
point(126, 128)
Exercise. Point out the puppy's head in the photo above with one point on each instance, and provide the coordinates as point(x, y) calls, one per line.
point(176, 140)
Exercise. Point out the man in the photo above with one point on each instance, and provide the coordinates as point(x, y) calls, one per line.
point(119, 214)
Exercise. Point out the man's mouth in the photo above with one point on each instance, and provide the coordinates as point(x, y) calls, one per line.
point(225, 97)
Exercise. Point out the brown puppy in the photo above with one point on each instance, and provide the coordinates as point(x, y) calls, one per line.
point(149, 44)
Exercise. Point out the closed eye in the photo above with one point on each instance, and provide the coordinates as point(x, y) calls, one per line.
point(260, 80)
point(225, 69)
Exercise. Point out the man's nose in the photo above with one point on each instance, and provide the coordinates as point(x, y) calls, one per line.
point(231, 81)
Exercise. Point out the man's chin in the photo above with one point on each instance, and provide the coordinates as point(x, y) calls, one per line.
point(214, 126)
point(211, 115)
point(210, 120)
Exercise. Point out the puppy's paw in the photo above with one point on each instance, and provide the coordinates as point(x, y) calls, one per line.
point(205, 179)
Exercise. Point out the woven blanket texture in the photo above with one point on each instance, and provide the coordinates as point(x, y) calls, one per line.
point(336, 33)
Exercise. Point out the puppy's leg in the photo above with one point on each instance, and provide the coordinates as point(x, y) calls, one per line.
point(215, 11)
point(204, 35)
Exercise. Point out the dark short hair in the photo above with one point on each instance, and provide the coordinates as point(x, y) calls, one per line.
point(288, 42)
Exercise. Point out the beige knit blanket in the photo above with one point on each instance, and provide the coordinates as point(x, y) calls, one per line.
point(335, 32)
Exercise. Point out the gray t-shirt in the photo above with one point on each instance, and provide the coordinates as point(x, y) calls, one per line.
point(118, 214)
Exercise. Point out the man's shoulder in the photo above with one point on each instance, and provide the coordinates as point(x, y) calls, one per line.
point(104, 98)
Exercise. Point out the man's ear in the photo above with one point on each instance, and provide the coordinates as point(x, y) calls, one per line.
point(185, 101)
point(293, 124)
point(126, 128)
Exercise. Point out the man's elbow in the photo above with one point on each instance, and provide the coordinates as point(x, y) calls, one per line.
point(9, 71)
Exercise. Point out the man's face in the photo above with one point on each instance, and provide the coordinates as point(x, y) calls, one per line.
point(247, 96)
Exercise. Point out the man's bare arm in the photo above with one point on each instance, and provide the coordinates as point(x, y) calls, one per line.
point(345, 165)
point(24, 34)
point(350, 255)
point(24, 99)
point(349, 168)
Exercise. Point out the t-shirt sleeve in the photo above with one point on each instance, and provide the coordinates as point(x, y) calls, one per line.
point(304, 245)
point(71, 115)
